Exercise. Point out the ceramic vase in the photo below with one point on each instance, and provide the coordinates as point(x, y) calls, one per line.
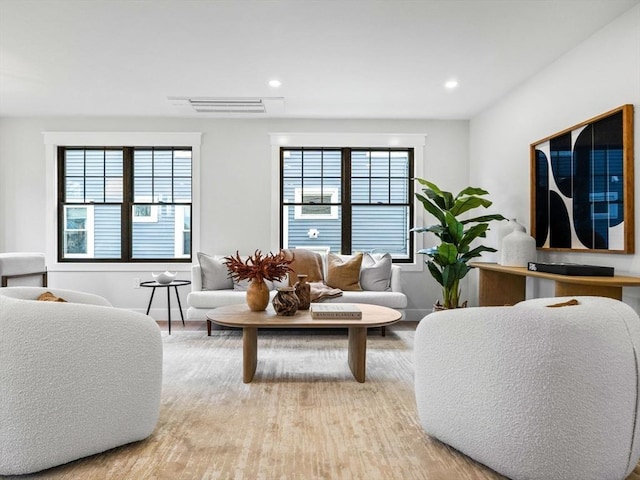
point(518, 248)
point(257, 295)
point(505, 229)
point(303, 292)
point(285, 303)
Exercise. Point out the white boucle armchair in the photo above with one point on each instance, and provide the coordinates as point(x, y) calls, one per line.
point(76, 378)
point(534, 392)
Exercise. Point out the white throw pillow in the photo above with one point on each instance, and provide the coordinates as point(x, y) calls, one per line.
point(215, 275)
point(375, 272)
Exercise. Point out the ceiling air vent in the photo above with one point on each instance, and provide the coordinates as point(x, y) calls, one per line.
point(230, 105)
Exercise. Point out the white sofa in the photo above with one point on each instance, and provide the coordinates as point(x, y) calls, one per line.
point(534, 392)
point(76, 378)
point(201, 301)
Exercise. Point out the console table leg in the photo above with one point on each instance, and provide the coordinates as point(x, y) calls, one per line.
point(497, 288)
point(249, 353)
point(358, 352)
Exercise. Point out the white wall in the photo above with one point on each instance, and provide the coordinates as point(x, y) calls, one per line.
point(235, 188)
point(600, 74)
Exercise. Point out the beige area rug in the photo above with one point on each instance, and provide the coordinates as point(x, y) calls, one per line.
point(303, 417)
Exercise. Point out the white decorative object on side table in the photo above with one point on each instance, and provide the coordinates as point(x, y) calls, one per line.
point(517, 248)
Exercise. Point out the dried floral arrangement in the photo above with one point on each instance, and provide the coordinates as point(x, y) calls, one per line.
point(272, 266)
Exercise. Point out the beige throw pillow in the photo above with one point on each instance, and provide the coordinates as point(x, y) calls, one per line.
point(344, 274)
point(49, 297)
point(305, 262)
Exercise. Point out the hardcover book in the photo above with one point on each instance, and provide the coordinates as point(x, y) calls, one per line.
point(337, 311)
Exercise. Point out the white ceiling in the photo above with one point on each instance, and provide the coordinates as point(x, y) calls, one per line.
point(335, 59)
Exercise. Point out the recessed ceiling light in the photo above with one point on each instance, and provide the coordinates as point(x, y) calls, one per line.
point(275, 83)
point(451, 84)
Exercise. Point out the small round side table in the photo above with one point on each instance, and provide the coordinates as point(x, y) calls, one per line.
point(175, 284)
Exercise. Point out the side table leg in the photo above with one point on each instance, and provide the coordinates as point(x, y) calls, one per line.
point(151, 300)
point(358, 352)
point(249, 353)
point(169, 308)
point(179, 306)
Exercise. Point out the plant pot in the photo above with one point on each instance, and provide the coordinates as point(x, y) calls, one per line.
point(257, 295)
point(438, 306)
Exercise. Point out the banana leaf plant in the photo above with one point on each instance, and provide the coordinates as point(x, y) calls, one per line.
point(448, 262)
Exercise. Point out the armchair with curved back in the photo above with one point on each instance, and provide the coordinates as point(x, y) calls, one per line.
point(76, 377)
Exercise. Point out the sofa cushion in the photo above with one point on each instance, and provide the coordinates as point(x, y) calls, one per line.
point(305, 262)
point(215, 275)
point(375, 272)
point(49, 297)
point(344, 274)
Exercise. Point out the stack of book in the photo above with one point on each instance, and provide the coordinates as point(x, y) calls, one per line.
point(335, 311)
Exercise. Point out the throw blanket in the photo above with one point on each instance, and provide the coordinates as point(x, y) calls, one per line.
point(305, 262)
point(320, 292)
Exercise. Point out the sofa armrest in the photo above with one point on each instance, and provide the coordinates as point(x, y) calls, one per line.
point(196, 278)
point(396, 281)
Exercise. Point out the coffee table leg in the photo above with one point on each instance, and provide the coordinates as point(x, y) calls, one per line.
point(358, 352)
point(249, 353)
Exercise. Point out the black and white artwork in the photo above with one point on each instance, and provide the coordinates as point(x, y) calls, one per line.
point(582, 186)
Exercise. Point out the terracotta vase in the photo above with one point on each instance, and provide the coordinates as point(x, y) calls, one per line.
point(285, 303)
point(257, 295)
point(303, 292)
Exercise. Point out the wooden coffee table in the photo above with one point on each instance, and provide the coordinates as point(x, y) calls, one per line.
point(241, 316)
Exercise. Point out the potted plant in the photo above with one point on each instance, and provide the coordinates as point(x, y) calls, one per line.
point(448, 262)
point(257, 268)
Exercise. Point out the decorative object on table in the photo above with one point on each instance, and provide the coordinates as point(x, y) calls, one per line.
point(505, 229)
point(582, 186)
point(335, 311)
point(518, 248)
point(285, 303)
point(303, 292)
point(165, 277)
point(257, 268)
point(448, 262)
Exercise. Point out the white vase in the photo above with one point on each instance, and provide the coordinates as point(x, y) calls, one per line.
point(505, 229)
point(518, 248)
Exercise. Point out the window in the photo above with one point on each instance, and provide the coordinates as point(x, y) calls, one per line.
point(350, 199)
point(315, 204)
point(78, 232)
point(124, 204)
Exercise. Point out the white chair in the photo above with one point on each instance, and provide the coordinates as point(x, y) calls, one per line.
point(22, 269)
point(531, 391)
point(76, 378)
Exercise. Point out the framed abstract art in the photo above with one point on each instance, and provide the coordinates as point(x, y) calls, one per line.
point(582, 186)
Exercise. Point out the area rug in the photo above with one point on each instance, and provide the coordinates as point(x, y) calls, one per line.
point(303, 417)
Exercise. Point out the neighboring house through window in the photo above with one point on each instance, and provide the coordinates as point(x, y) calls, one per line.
point(349, 199)
point(124, 203)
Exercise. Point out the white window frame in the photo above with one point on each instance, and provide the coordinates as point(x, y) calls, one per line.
point(89, 229)
point(179, 231)
point(298, 213)
point(53, 140)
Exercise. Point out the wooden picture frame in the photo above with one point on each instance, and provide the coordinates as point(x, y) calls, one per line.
point(582, 183)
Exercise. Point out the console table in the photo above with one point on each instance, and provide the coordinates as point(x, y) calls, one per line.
point(500, 285)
